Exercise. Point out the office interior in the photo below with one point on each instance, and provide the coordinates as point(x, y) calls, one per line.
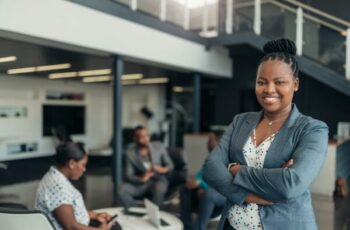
point(179, 68)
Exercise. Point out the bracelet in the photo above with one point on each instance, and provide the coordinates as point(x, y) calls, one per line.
point(231, 164)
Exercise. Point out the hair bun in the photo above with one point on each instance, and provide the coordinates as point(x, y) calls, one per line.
point(282, 45)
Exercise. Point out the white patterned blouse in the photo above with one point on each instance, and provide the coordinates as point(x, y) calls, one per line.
point(247, 217)
point(55, 190)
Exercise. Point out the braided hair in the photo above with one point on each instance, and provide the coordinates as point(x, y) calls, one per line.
point(69, 151)
point(283, 50)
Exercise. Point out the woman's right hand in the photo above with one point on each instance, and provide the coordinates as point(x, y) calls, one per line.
point(252, 198)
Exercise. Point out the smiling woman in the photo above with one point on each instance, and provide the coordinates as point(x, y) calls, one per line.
point(267, 160)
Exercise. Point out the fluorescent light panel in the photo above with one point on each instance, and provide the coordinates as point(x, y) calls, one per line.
point(97, 79)
point(135, 76)
point(160, 80)
point(63, 75)
point(94, 72)
point(8, 59)
point(38, 68)
point(53, 67)
point(21, 70)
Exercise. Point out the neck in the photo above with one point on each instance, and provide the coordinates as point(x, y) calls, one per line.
point(64, 170)
point(278, 116)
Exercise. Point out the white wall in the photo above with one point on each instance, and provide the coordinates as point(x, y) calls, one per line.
point(69, 23)
point(31, 92)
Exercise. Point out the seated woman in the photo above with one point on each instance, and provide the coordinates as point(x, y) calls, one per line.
point(57, 197)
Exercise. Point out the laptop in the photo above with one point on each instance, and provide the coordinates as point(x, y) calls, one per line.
point(154, 214)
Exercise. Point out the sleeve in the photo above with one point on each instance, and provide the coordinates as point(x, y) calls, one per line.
point(130, 175)
point(57, 195)
point(282, 184)
point(216, 173)
point(166, 159)
point(199, 178)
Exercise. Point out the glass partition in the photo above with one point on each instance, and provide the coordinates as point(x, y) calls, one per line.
point(243, 16)
point(175, 12)
point(324, 45)
point(151, 7)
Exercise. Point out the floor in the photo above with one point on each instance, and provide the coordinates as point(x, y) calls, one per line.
point(98, 189)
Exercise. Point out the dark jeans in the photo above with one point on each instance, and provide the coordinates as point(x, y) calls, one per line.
point(155, 187)
point(204, 205)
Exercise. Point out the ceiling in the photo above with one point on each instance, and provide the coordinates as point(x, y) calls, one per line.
point(32, 55)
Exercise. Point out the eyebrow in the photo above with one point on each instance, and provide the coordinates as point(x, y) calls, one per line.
point(277, 78)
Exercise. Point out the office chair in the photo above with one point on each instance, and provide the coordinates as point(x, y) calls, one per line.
point(17, 219)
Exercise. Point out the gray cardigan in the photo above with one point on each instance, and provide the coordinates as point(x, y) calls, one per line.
point(301, 138)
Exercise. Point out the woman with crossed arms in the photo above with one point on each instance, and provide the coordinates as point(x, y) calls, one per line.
point(266, 161)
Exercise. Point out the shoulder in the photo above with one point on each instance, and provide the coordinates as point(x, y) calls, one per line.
point(156, 145)
point(244, 116)
point(308, 122)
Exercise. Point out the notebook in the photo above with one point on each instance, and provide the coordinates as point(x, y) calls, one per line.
point(154, 214)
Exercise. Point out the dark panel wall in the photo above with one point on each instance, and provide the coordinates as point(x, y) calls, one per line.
point(313, 98)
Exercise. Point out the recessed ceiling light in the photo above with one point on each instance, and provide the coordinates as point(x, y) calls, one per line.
point(94, 72)
point(53, 67)
point(63, 75)
point(97, 79)
point(135, 76)
point(21, 70)
point(160, 80)
point(8, 59)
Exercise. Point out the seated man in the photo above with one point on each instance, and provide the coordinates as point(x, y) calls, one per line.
point(196, 196)
point(147, 164)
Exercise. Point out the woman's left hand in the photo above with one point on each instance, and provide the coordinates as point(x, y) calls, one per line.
point(235, 169)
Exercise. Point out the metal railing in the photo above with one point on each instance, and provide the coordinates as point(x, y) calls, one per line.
point(318, 35)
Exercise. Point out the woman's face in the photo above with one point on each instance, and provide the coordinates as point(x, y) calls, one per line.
point(77, 168)
point(275, 86)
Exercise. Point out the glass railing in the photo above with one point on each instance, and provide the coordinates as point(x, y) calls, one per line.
point(322, 37)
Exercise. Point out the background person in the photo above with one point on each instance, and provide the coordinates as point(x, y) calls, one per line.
point(60, 200)
point(197, 196)
point(147, 164)
point(267, 160)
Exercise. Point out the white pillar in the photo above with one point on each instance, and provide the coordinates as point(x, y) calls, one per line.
point(257, 17)
point(299, 31)
point(347, 57)
point(133, 5)
point(162, 13)
point(229, 16)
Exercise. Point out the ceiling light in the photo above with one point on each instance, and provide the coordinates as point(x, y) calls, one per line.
point(129, 82)
point(135, 76)
point(63, 75)
point(97, 79)
point(53, 67)
point(21, 70)
point(8, 59)
point(181, 89)
point(160, 80)
point(94, 72)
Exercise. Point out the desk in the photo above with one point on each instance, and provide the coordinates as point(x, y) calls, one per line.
point(134, 223)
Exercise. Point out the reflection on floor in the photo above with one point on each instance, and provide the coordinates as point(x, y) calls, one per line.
point(98, 189)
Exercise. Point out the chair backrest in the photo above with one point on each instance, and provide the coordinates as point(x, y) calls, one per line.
point(16, 219)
